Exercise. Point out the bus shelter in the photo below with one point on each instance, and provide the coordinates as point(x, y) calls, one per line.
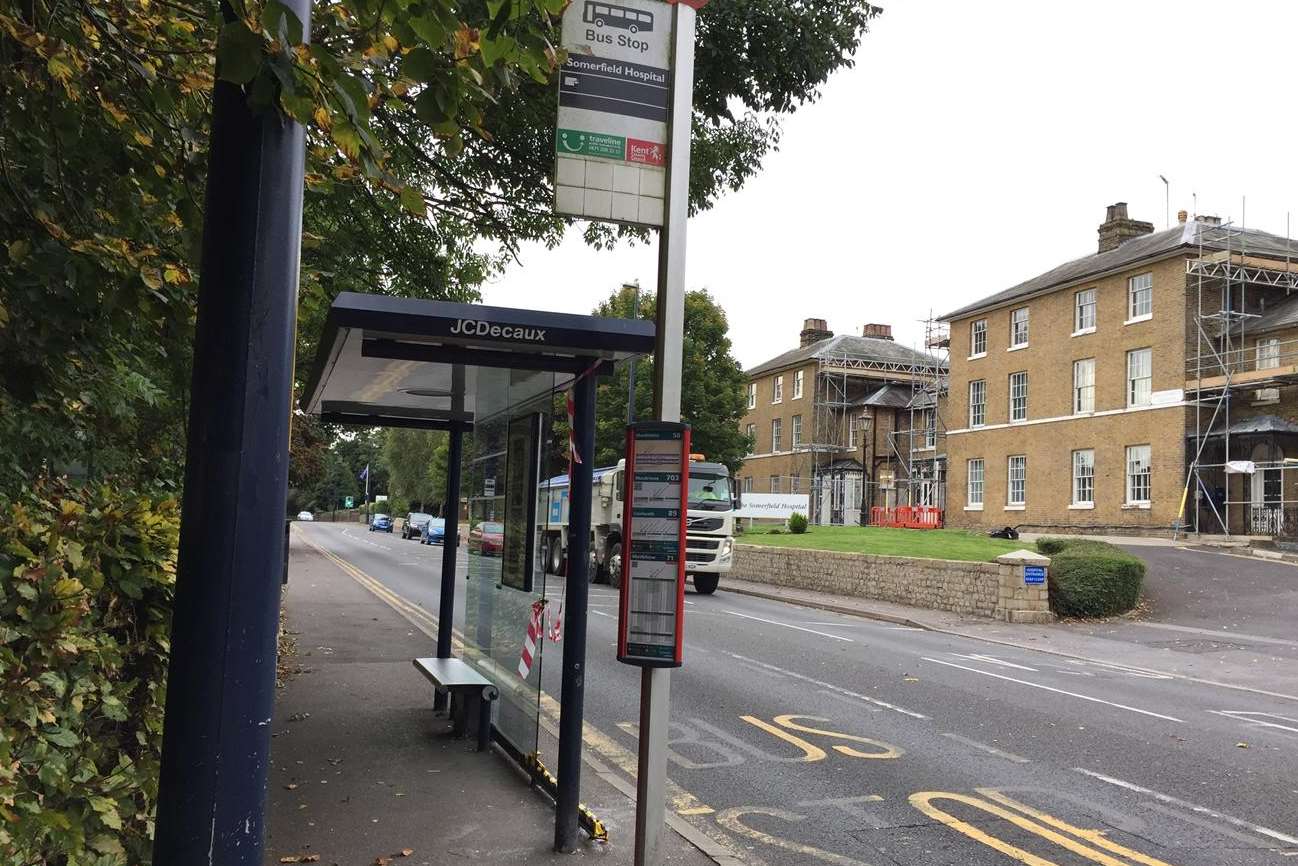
point(492, 378)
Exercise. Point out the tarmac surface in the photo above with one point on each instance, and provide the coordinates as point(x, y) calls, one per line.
point(804, 735)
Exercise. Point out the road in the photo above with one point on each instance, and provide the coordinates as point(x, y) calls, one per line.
point(804, 737)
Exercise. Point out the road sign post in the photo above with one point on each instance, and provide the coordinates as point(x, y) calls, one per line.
point(622, 154)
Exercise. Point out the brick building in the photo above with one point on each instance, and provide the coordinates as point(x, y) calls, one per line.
point(1102, 393)
point(849, 420)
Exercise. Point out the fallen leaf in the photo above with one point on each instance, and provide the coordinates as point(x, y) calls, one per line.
point(300, 858)
point(291, 786)
point(382, 861)
point(1241, 745)
point(406, 852)
point(912, 679)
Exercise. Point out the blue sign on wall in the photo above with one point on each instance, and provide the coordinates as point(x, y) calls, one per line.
point(1034, 574)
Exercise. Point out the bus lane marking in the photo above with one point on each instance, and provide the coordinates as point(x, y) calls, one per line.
point(1094, 837)
point(1184, 804)
point(1030, 684)
point(923, 801)
point(887, 751)
point(730, 819)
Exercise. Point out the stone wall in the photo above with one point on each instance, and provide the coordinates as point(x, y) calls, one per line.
point(990, 589)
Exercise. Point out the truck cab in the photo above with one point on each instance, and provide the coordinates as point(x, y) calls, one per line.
point(709, 534)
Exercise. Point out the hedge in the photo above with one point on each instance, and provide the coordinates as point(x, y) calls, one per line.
point(1090, 578)
point(86, 586)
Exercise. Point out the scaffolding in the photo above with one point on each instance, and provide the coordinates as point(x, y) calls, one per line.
point(1232, 285)
point(841, 492)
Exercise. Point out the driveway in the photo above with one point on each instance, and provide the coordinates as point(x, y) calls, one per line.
point(1207, 601)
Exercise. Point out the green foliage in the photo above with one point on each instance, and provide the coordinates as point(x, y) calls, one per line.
point(1093, 579)
point(797, 523)
point(86, 582)
point(949, 544)
point(1054, 545)
point(416, 465)
point(712, 383)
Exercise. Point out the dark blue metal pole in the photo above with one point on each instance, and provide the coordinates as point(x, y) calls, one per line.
point(450, 542)
point(576, 593)
point(221, 681)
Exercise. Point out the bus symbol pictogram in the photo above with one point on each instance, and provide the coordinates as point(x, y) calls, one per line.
point(609, 15)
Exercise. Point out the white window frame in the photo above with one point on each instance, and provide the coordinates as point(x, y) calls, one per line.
point(751, 432)
point(1136, 376)
point(748, 483)
point(1021, 461)
point(775, 484)
point(777, 434)
point(1140, 298)
point(1015, 322)
point(977, 339)
point(1018, 397)
point(979, 420)
point(1133, 478)
point(752, 395)
point(1085, 312)
point(975, 483)
point(1083, 494)
point(795, 432)
point(797, 385)
point(1084, 386)
point(777, 390)
point(928, 419)
point(1268, 358)
point(852, 422)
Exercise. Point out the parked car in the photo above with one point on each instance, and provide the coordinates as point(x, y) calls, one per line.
point(305, 515)
point(381, 523)
point(434, 531)
point(414, 525)
point(487, 538)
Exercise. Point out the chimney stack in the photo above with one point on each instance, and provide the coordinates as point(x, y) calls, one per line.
point(1182, 216)
point(1118, 228)
point(877, 331)
point(813, 331)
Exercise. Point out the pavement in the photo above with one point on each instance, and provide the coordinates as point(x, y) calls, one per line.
point(362, 769)
point(805, 736)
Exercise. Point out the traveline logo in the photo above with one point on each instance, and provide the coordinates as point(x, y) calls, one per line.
point(475, 328)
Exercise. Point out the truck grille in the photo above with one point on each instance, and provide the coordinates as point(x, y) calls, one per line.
point(703, 524)
point(698, 556)
point(702, 543)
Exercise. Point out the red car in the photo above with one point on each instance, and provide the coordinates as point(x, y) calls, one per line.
point(487, 538)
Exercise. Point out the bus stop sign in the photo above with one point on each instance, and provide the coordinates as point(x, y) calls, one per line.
point(651, 609)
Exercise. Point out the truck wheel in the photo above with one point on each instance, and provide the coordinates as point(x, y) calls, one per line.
point(706, 583)
point(554, 558)
point(593, 569)
point(613, 565)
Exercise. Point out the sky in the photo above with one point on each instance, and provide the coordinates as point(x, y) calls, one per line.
point(972, 146)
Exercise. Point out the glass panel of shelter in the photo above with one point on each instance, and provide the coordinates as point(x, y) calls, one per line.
point(497, 615)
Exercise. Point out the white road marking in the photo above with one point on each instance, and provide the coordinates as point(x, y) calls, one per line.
point(995, 661)
point(1056, 691)
point(794, 627)
point(833, 688)
point(602, 613)
point(991, 750)
point(1201, 810)
point(1252, 719)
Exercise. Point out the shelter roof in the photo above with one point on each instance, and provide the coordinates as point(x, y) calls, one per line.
point(408, 362)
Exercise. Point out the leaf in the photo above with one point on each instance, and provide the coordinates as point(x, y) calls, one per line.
point(413, 201)
point(421, 65)
point(18, 251)
point(238, 53)
point(282, 23)
point(429, 29)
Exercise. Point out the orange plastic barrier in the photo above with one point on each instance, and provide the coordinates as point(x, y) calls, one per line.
point(907, 517)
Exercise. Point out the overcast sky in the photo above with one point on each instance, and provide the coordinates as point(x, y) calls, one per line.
point(975, 145)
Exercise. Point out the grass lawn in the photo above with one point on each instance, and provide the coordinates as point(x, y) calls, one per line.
point(885, 541)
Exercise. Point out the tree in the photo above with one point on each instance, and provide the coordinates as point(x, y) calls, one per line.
point(416, 464)
point(712, 383)
point(429, 155)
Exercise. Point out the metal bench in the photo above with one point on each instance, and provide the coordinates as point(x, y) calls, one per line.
point(458, 679)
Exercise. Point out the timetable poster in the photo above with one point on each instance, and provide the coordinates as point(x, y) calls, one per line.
point(654, 568)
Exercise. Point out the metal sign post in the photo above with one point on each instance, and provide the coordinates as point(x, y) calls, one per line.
point(622, 151)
